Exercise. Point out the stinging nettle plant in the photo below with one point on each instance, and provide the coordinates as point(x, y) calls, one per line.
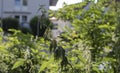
point(92, 46)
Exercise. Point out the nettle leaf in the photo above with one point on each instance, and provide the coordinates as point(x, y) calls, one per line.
point(18, 63)
point(45, 64)
point(103, 26)
point(109, 59)
point(2, 49)
point(96, 69)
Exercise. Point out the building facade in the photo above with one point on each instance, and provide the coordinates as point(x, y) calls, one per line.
point(23, 10)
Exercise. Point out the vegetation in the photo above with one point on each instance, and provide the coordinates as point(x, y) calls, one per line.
point(26, 30)
point(42, 23)
point(22, 53)
point(10, 23)
point(92, 46)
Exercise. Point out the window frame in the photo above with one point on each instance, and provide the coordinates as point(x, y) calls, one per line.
point(25, 2)
point(24, 18)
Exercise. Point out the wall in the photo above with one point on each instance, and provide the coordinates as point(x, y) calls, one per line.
point(10, 10)
point(59, 26)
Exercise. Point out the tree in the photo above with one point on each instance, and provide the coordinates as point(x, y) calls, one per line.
point(10, 23)
point(43, 22)
point(39, 24)
point(94, 28)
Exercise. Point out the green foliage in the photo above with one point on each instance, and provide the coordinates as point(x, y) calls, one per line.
point(45, 64)
point(33, 24)
point(22, 53)
point(92, 39)
point(18, 63)
point(26, 30)
point(42, 23)
point(92, 46)
point(10, 23)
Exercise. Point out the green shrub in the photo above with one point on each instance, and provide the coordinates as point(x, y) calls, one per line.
point(25, 30)
point(43, 22)
point(10, 23)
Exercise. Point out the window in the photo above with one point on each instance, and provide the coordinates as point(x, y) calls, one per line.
point(25, 2)
point(17, 2)
point(17, 17)
point(24, 19)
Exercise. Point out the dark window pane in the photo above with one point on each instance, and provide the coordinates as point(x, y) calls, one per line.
point(17, 17)
point(24, 18)
point(25, 2)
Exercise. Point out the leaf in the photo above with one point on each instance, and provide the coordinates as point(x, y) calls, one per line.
point(45, 64)
point(2, 49)
point(96, 69)
point(18, 63)
point(1, 30)
point(109, 59)
point(103, 26)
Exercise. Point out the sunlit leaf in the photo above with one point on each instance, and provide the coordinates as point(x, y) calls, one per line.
point(45, 64)
point(18, 63)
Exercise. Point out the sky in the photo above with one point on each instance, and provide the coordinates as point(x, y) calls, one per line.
point(61, 2)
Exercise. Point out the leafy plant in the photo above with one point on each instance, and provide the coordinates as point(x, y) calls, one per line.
point(10, 23)
point(92, 38)
point(92, 46)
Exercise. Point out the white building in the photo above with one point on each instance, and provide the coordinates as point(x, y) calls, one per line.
point(59, 26)
point(23, 10)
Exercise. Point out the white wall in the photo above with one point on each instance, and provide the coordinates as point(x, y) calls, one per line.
point(61, 27)
point(30, 10)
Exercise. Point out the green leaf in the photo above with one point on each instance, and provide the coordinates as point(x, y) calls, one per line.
point(103, 26)
point(45, 64)
point(1, 30)
point(96, 69)
point(2, 49)
point(109, 59)
point(18, 63)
